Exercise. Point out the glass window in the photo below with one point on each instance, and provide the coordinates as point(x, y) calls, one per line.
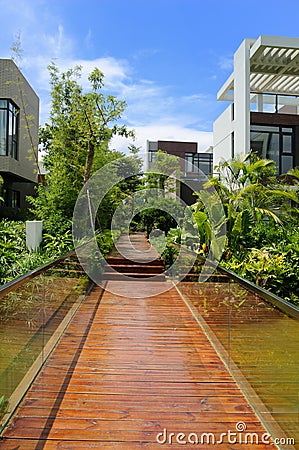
point(11, 198)
point(287, 143)
point(286, 163)
point(260, 143)
point(15, 199)
point(8, 129)
point(188, 162)
point(151, 156)
point(3, 132)
point(153, 145)
point(199, 161)
point(273, 148)
point(204, 161)
point(277, 145)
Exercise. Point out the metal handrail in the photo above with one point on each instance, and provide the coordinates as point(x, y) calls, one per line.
point(276, 301)
point(273, 299)
point(17, 282)
point(285, 306)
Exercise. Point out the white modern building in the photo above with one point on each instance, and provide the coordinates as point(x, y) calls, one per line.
point(263, 114)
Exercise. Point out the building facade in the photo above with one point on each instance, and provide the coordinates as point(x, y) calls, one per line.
point(263, 114)
point(192, 163)
point(19, 122)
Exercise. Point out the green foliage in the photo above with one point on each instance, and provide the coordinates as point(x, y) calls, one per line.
point(175, 235)
point(15, 259)
point(169, 255)
point(4, 404)
point(269, 256)
point(165, 167)
point(250, 193)
point(274, 269)
point(75, 142)
point(105, 241)
point(155, 216)
point(58, 244)
point(261, 223)
point(12, 250)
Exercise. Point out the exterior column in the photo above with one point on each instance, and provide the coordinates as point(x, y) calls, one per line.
point(242, 98)
point(33, 234)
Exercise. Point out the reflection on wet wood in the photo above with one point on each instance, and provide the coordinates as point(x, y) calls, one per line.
point(125, 370)
point(262, 341)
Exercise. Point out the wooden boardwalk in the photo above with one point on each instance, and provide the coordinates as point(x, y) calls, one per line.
point(127, 369)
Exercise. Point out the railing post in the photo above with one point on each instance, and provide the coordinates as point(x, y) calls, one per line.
point(33, 234)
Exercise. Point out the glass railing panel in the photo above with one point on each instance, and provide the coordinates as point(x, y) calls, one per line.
point(260, 346)
point(265, 348)
point(211, 302)
point(32, 317)
point(21, 315)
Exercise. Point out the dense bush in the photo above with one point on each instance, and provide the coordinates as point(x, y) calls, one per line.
point(16, 259)
point(261, 213)
point(275, 268)
point(161, 213)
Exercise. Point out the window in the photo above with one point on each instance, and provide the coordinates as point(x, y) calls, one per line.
point(199, 161)
point(151, 156)
point(189, 162)
point(276, 143)
point(9, 126)
point(11, 198)
point(153, 146)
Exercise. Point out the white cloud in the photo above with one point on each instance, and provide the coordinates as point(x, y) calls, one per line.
point(170, 132)
point(194, 98)
point(226, 63)
point(153, 110)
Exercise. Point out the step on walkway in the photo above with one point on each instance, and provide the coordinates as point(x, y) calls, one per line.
point(128, 371)
point(135, 258)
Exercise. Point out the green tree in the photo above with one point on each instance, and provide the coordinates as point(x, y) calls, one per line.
point(166, 169)
point(75, 142)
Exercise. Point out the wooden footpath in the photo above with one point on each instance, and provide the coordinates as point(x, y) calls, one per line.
point(126, 372)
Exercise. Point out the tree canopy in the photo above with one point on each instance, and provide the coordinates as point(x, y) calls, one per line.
point(75, 141)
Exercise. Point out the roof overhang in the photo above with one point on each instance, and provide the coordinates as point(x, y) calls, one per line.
point(274, 68)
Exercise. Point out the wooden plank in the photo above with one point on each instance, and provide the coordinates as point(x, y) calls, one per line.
point(125, 370)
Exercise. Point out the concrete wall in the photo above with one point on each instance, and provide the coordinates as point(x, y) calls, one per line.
point(222, 135)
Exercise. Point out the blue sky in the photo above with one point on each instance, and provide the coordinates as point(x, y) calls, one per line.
point(166, 58)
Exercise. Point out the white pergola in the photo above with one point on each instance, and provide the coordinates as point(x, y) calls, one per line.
point(273, 66)
point(265, 69)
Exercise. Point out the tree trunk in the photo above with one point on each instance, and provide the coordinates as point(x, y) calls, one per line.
point(89, 161)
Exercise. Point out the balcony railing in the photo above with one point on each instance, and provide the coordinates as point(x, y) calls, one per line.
point(274, 103)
